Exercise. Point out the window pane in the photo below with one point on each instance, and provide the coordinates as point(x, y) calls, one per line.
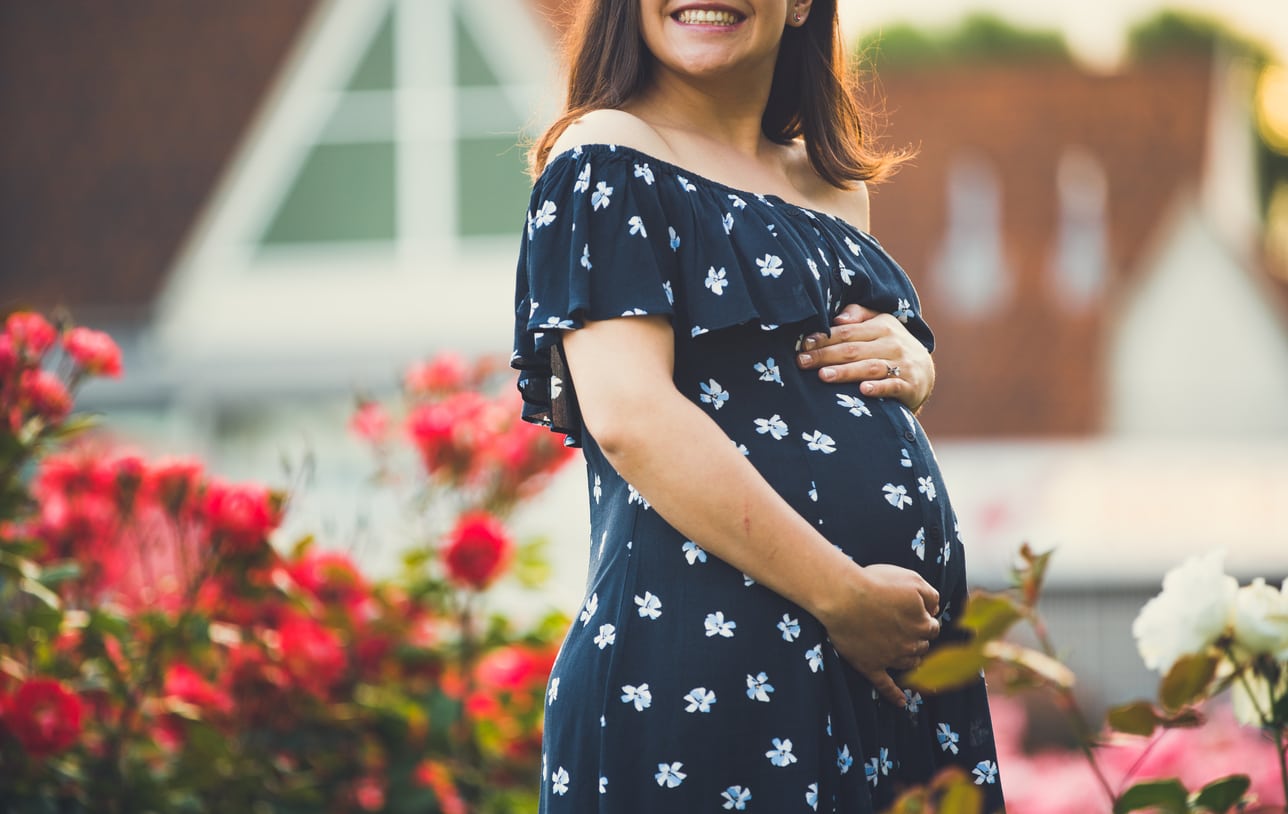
point(376, 70)
point(492, 186)
point(343, 192)
point(472, 69)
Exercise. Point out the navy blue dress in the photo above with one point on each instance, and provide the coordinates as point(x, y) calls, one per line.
point(683, 685)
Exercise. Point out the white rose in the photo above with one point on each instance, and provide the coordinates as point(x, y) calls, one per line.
point(1261, 619)
point(1189, 615)
point(1251, 697)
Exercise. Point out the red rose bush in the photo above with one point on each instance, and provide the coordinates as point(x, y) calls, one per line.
point(162, 650)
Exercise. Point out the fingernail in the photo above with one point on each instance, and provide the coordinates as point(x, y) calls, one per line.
point(810, 342)
point(828, 374)
point(804, 358)
point(869, 388)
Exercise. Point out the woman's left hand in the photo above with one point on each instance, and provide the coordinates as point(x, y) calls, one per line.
point(865, 346)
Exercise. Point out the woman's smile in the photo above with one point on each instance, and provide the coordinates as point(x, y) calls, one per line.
point(707, 16)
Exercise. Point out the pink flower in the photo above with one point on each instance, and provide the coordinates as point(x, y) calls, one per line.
point(187, 685)
point(8, 357)
point(44, 395)
point(442, 374)
point(94, 351)
point(370, 422)
point(30, 333)
point(369, 794)
point(44, 716)
point(175, 484)
point(477, 551)
point(312, 654)
point(241, 515)
point(511, 669)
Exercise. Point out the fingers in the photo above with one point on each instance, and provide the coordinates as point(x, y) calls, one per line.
point(884, 684)
point(854, 313)
point(929, 598)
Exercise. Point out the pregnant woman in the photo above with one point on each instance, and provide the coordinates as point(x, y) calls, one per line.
point(769, 546)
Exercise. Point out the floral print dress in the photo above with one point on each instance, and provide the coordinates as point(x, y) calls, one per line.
point(683, 685)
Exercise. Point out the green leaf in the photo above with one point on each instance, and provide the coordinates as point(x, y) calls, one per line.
point(1167, 795)
point(59, 572)
point(1136, 718)
point(1029, 573)
point(990, 615)
point(1039, 664)
point(948, 667)
point(1221, 795)
point(35, 589)
point(302, 546)
point(1188, 680)
point(531, 565)
point(74, 425)
point(961, 797)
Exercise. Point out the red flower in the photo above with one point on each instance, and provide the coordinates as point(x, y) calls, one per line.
point(94, 351)
point(175, 484)
point(331, 577)
point(511, 669)
point(369, 794)
point(437, 777)
point(240, 515)
point(187, 685)
point(313, 655)
point(370, 422)
point(477, 551)
point(30, 333)
point(8, 357)
point(45, 395)
point(44, 716)
point(442, 374)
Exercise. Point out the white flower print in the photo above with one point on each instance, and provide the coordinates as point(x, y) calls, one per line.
point(552, 692)
point(606, 636)
point(643, 171)
point(684, 183)
point(847, 274)
point(637, 226)
point(649, 605)
point(585, 257)
point(556, 387)
point(640, 696)
point(919, 544)
point(717, 625)
point(769, 372)
point(771, 265)
point(743, 449)
point(885, 763)
point(545, 214)
point(717, 280)
point(697, 330)
point(870, 771)
point(592, 605)
point(813, 267)
point(532, 308)
point(927, 487)
point(819, 442)
point(844, 760)
point(670, 295)
point(774, 425)
point(905, 460)
point(852, 246)
point(727, 222)
point(633, 496)
point(811, 796)
point(747, 581)
point(583, 179)
point(599, 489)
point(699, 699)
point(781, 754)
point(947, 738)
point(763, 199)
point(675, 239)
point(603, 784)
point(904, 311)
point(853, 404)
point(736, 798)
point(813, 491)
point(559, 781)
point(669, 775)
point(713, 394)
point(758, 687)
point(912, 701)
point(985, 772)
point(790, 628)
point(556, 322)
point(693, 552)
point(738, 203)
point(897, 496)
point(600, 198)
point(815, 658)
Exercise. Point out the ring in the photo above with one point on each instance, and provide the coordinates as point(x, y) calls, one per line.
point(892, 371)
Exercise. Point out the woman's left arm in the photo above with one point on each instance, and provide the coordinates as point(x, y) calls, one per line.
point(865, 346)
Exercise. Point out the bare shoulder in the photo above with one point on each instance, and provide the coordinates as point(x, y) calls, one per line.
point(851, 205)
point(607, 126)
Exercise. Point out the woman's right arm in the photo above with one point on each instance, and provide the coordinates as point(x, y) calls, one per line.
point(878, 617)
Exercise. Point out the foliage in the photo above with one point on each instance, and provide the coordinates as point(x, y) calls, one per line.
point(977, 38)
point(1179, 32)
point(158, 654)
point(1203, 632)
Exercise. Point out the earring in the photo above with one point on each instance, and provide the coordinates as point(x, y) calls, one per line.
point(798, 17)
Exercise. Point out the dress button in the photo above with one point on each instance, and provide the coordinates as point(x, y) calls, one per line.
point(909, 435)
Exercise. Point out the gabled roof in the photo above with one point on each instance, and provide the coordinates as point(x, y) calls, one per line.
point(119, 118)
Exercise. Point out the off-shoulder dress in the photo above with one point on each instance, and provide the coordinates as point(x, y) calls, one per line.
point(683, 685)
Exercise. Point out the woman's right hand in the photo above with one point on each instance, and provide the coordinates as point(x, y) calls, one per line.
point(887, 622)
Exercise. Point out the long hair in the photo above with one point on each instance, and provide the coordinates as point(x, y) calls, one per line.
point(812, 96)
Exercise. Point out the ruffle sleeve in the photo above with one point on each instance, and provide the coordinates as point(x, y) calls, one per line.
point(596, 247)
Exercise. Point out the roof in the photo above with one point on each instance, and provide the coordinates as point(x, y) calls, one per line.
point(120, 119)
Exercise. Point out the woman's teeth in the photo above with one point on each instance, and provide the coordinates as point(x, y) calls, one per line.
point(707, 17)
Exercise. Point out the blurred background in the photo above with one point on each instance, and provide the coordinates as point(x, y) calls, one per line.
point(275, 207)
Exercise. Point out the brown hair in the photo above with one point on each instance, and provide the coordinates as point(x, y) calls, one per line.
point(812, 95)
